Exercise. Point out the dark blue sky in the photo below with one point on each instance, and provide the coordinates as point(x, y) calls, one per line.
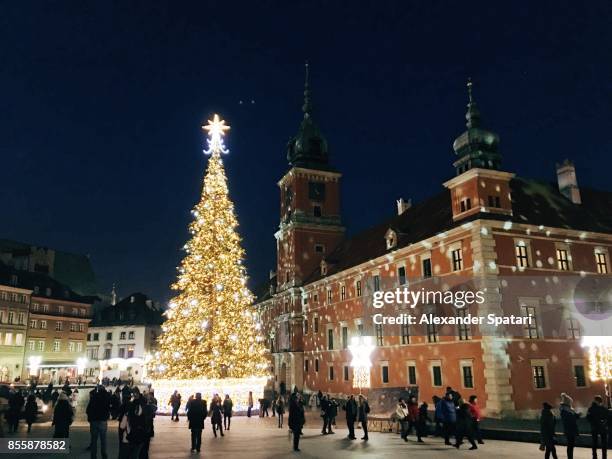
point(102, 102)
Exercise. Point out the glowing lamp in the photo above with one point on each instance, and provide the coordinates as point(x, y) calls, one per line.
point(34, 362)
point(361, 347)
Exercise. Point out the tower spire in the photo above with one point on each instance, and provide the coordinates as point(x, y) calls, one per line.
point(114, 295)
point(473, 114)
point(307, 107)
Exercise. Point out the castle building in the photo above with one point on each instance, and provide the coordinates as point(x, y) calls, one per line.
point(533, 249)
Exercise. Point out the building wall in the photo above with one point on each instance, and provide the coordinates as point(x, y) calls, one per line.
point(14, 304)
point(54, 321)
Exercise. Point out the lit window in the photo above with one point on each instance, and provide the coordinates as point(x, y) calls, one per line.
point(343, 293)
point(520, 250)
point(405, 333)
point(539, 376)
point(563, 260)
point(531, 327)
point(602, 263)
point(58, 326)
point(40, 345)
point(457, 257)
point(31, 345)
point(131, 335)
point(32, 323)
point(71, 347)
point(56, 345)
point(130, 352)
point(43, 324)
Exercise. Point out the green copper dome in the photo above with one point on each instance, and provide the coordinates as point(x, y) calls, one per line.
point(308, 148)
point(476, 147)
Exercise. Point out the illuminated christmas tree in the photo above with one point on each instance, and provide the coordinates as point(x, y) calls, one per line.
point(210, 338)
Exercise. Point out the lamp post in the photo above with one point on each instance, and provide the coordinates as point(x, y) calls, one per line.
point(361, 347)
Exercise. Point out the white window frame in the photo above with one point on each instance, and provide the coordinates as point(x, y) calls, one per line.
point(412, 363)
point(467, 363)
point(540, 363)
point(432, 364)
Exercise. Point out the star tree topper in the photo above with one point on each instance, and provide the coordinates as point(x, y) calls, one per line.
point(216, 130)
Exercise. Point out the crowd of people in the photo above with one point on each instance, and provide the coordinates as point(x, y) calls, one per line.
point(453, 417)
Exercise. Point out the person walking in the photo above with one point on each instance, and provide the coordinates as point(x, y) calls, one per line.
point(228, 406)
point(476, 417)
point(15, 405)
point(63, 416)
point(74, 397)
point(401, 411)
point(464, 426)
point(216, 415)
point(351, 416)
point(597, 415)
point(325, 415)
point(569, 418)
point(296, 419)
point(135, 425)
point(115, 404)
point(437, 415)
point(363, 410)
point(423, 417)
point(30, 411)
point(196, 414)
point(413, 416)
point(250, 407)
point(98, 410)
point(149, 411)
point(448, 415)
point(279, 403)
point(333, 412)
point(175, 403)
point(547, 430)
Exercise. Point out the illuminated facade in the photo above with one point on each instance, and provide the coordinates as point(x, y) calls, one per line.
point(535, 249)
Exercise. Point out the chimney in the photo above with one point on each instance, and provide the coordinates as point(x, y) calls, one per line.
point(113, 296)
point(132, 299)
point(149, 303)
point(403, 206)
point(568, 184)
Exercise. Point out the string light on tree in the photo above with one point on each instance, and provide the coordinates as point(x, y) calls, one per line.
point(210, 337)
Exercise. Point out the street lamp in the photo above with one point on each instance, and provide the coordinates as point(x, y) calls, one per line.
point(361, 347)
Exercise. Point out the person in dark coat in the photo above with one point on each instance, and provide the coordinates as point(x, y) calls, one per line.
point(196, 414)
point(597, 415)
point(54, 396)
point(228, 407)
point(31, 411)
point(115, 404)
point(547, 429)
point(98, 410)
point(448, 415)
point(569, 418)
point(279, 406)
point(333, 412)
point(296, 419)
point(137, 425)
point(250, 407)
point(63, 416)
point(126, 394)
point(66, 388)
point(216, 415)
point(422, 422)
point(351, 416)
point(413, 416)
point(175, 403)
point(464, 426)
point(149, 411)
point(363, 410)
point(15, 405)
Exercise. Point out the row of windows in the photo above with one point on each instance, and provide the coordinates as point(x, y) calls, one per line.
point(563, 258)
point(456, 261)
point(12, 317)
point(122, 352)
point(539, 374)
point(531, 330)
point(60, 309)
point(109, 336)
point(39, 345)
point(466, 204)
point(11, 339)
point(14, 297)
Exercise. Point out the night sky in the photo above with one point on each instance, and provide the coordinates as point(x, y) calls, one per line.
point(102, 103)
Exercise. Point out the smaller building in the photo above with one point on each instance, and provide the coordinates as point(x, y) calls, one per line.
point(122, 337)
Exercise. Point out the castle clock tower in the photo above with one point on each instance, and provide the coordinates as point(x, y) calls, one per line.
point(310, 225)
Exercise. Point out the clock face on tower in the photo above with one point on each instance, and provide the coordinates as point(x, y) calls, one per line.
point(316, 191)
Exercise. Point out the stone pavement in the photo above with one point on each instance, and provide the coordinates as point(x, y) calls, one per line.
point(260, 438)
